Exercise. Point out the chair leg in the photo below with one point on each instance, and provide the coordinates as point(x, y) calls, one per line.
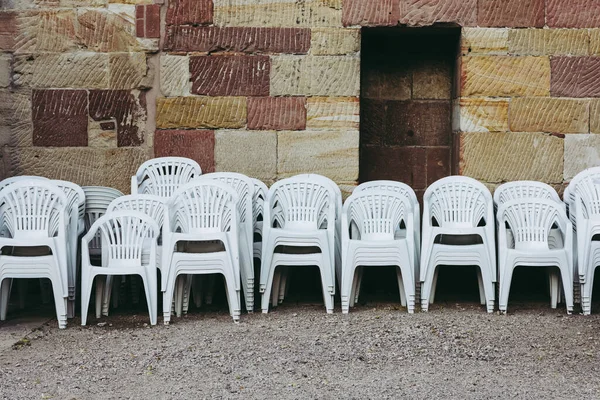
point(168, 299)
point(60, 303)
point(359, 279)
point(187, 290)
point(102, 294)
point(355, 282)
point(5, 287)
point(567, 286)
point(266, 293)
point(107, 296)
point(427, 287)
point(481, 287)
point(408, 288)
point(401, 287)
point(276, 285)
point(434, 286)
point(150, 287)
point(505, 282)
point(553, 277)
point(348, 286)
point(86, 292)
point(327, 296)
point(179, 289)
point(283, 284)
point(233, 297)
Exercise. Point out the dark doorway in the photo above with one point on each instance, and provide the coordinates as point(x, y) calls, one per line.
point(406, 104)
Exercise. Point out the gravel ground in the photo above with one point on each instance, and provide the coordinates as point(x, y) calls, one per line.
point(298, 351)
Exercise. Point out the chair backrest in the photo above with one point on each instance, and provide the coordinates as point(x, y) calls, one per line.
point(203, 206)
point(8, 181)
point(588, 191)
point(258, 200)
point(124, 234)
point(152, 206)
point(302, 204)
point(531, 220)
point(164, 175)
point(243, 186)
point(33, 208)
point(458, 201)
point(377, 213)
point(524, 189)
point(97, 200)
point(392, 186)
point(75, 197)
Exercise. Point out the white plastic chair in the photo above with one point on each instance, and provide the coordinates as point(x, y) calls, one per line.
point(299, 213)
point(164, 175)
point(409, 193)
point(370, 220)
point(201, 211)
point(458, 207)
point(258, 203)
point(531, 221)
point(125, 236)
point(35, 213)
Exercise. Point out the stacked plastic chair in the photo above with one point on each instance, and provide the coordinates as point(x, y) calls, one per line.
point(258, 202)
point(125, 236)
point(531, 221)
point(201, 211)
point(164, 175)
point(370, 221)
point(409, 193)
point(35, 213)
point(462, 208)
point(299, 212)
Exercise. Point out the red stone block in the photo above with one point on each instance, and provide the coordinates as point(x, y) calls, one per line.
point(277, 113)
point(192, 12)
point(372, 121)
point(188, 38)
point(438, 163)
point(428, 12)
point(140, 21)
point(60, 118)
point(125, 108)
point(575, 76)
point(199, 145)
point(8, 29)
point(370, 12)
point(573, 13)
point(230, 75)
point(404, 164)
point(152, 21)
point(418, 123)
point(511, 13)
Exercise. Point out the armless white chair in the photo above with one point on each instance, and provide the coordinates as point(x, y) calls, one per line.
point(164, 175)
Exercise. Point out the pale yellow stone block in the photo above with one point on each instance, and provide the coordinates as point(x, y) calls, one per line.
point(334, 41)
point(175, 75)
point(332, 113)
point(483, 115)
point(253, 153)
point(484, 41)
point(544, 114)
point(553, 42)
point(201, 112)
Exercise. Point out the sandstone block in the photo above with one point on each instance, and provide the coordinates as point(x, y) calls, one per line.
point(175, 75)
point(341, 113)
point(276, 13)
point(502, 76)
point(230, 75)
point(432, 80)
point(102, 134)
point(70, 70)
point(594, 41)
point(16, 127)
point(201, 112)
point(8, 29)
point(128, 70)
point(511, 13)
point(126, 109)
point(428, 12)
point(370, 12)
point(5, 67)
point(573, 13)
point(199, 145)
point(315, 76)
point(237, 39)
point(581, 152)
point(60, 118)
point(253, 153)
point(45, 31)
point(330, 153)
point(334, 41)
point(277, 113)
point(595, 116)
point(575, 76)
point(190, 12)
point(552, 115)
point(483, 115)
point(541, 42)
point(484, 41)
point(501, 157)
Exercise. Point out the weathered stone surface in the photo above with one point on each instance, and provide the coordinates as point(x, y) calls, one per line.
point(86, 166)
point(16, 127)
point(69, 70)
point(541, 42)
point(501, 157)
point(182, 12)
point(102, 134)
point(415, 123)
point(502, 76)
point(128, 70)
point(126, 108)
point(370, 12)
point(199, 145)
point(483, 115)
point(438, 163)
point(267, 13)
point(5, 67)
point(511, 13)
point(8, 29)
point(575, 76)
point(552, 115)
point(581, 152)
point(201, 112)
point(60, 118)
point(573, 13)
point(484, 41)
point(595, 116)
point(391, 83)
point(315, 76)
point(237, 39)
point(253, 153)
point(402, 164)
point(428, 12)
point(147, 20)
point(594, 41)
point(432, 80)
point(175, 75)
point(341, 113)
point(330, 153)
point(335, 41)
point(45, 31)
point(277, 113)
point(230, 75)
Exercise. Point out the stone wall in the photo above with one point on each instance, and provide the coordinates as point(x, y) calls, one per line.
point(91, 88)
